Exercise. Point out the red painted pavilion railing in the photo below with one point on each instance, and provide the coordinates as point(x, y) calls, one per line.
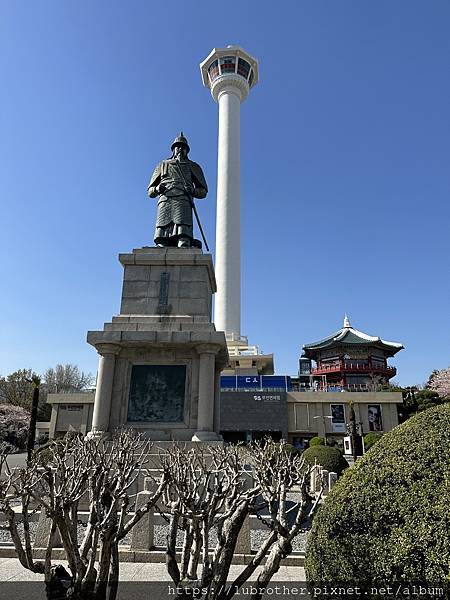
point(368, 387)
point(349, 366)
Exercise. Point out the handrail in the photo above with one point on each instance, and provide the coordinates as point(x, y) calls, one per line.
point(350, 366)
point(344, 388)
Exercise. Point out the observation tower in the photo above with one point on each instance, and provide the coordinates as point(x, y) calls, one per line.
point(229, 73)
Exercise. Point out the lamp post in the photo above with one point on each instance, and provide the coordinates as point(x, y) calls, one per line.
point(355, 436)
point(36, 381)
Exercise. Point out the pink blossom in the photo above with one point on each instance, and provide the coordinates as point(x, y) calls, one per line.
point(440, 382)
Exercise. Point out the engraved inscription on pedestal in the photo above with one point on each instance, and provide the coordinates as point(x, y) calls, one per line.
point(163, 305)
point(157, 393)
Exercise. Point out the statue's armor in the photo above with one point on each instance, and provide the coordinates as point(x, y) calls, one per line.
point(174, 204)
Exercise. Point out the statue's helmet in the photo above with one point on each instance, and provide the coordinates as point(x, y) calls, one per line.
point(180, 141)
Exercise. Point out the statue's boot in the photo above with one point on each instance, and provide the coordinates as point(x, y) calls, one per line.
point(184, 242)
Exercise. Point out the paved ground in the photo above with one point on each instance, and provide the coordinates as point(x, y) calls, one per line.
point(145, 581)
point(17, 460)
point(12, 570)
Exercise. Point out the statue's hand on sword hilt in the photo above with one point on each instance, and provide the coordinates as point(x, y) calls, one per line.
point(190, 191)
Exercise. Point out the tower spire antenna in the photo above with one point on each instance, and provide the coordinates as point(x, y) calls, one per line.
point(346, 321)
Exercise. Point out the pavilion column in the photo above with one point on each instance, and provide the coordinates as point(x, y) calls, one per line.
point(103, 391)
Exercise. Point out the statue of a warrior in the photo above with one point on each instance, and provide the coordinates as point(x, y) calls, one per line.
point(177, 181)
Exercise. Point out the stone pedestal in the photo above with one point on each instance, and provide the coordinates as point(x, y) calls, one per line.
point(332, 478)
point(160, 359)
point(142, 534)
point(325, 482)
point(243, 543)
point(44, 526)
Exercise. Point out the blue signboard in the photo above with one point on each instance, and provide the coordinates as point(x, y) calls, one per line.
point(256, 382)
point(279, 382)
point(249, 382)
point(228, 382)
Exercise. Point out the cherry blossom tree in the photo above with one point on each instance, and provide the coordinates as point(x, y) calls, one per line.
point(440, 382)
point(14, 424)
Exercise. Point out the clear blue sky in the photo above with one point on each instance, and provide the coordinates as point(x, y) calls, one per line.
point(345, 166)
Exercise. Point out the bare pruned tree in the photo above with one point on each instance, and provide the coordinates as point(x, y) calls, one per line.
point(216, 490)
point(205, 494)
point(76, 468)
point(277, 470)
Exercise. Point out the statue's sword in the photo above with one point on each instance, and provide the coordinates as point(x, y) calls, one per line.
point(194, 208)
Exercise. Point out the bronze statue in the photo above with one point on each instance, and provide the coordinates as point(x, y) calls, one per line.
point(177, 181)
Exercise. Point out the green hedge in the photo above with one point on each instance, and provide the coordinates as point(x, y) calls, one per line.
point(316, 441)
point(372, 438)
point(387, 518)
point(329, 458)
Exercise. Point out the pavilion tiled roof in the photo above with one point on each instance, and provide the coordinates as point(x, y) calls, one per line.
point(348, 335)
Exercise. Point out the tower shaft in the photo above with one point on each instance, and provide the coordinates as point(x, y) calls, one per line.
point(228, 225)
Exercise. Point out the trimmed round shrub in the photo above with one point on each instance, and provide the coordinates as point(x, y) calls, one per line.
point(387, 518)
point(316, 441)
point(372, 438)
point(290, 448)
point(330, 459)
point(45, 452)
